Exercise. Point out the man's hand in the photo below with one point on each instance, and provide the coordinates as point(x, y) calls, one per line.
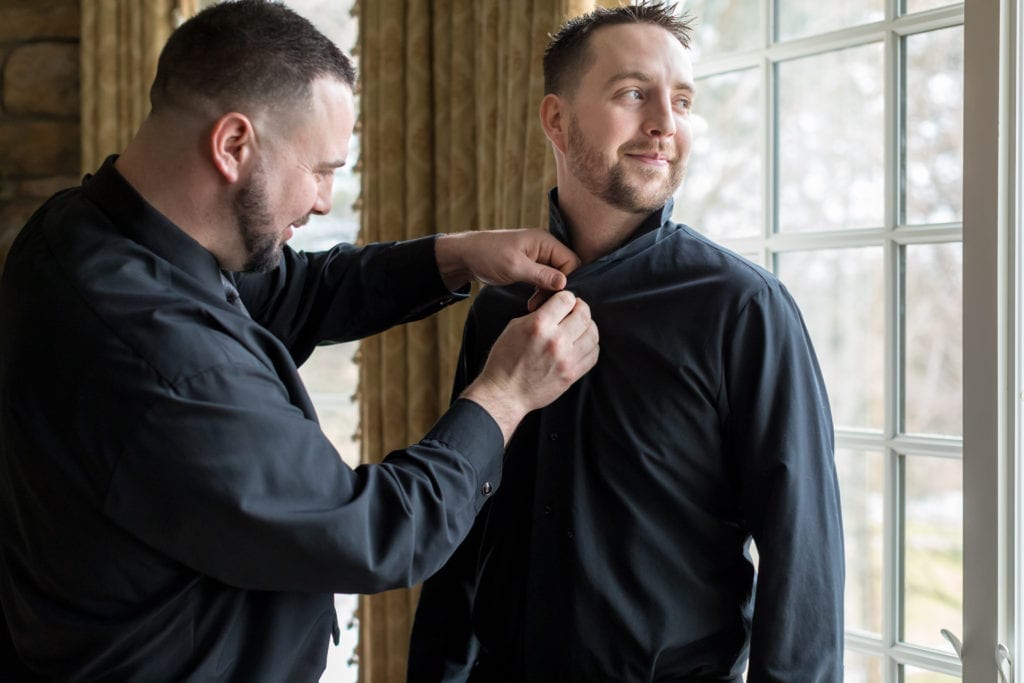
point(535, 360)
point(501, 257)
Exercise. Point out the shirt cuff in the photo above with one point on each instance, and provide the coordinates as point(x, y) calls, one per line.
point(469, 429)
point(414, 264)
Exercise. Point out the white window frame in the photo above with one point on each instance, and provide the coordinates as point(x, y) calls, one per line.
point(992, 286)
point(980, 578)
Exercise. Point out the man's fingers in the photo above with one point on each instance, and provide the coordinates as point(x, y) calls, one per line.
point(538, 298)
point(589, 359)
point(553, 260)
point(590, 337)
point(575, 324)
point(546, 277)
point(555, 309)
point(562, 257)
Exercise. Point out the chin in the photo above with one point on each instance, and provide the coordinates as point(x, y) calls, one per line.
point(264, 261)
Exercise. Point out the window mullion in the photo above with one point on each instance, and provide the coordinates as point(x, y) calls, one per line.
point(892, 562)
point(985, 355)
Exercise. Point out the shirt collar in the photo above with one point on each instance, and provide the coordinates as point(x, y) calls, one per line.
point(142, 223)
point(558, 228)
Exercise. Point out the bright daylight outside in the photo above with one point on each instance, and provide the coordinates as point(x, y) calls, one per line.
point(331, 374)
point(802, 164)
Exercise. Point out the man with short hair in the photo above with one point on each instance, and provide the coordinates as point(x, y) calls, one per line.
point(618, 547)
point(169, 506)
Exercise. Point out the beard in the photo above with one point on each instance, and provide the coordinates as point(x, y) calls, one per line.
point(256, 226)
point(613, 184)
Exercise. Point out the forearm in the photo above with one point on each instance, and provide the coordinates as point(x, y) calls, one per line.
point(346, 293)
point(317, 526)
point(797, 630)
point(502, 405)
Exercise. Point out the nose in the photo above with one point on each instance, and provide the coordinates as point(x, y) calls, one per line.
point(324, 192)
point(660, 120)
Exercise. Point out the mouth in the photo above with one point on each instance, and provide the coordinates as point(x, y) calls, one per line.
point(295, 225)
point(654, 158)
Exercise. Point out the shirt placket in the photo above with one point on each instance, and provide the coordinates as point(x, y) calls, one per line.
point(553, 538)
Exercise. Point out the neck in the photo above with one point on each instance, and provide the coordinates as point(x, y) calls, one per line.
point(164, 169)
point(595, 227)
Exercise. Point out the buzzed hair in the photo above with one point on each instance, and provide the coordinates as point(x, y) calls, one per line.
point(567, 55)
point(245, 54)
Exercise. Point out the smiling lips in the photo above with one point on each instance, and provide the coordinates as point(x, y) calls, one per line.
point(292, 227)
point(655, 158)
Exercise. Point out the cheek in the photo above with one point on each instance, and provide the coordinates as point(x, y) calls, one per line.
point(299, 196)
point(610, 131)
point(684, 134)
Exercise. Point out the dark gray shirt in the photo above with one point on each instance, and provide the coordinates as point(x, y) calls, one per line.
point(618, 546)
point(169, 506)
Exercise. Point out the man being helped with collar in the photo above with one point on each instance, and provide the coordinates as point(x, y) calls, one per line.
point(169, 506)
point(618, 546)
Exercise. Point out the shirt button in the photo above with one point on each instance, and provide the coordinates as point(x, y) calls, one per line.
point(487, 489)
point(547, 509)
point(570, 535)
point(553, 436)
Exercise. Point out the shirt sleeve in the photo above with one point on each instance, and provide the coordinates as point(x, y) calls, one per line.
point(779, 435)
point(226, 476)
point(346, 293)
point(442, 646)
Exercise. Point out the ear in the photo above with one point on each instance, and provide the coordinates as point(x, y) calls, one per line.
point(231, 145)
point(554, 118)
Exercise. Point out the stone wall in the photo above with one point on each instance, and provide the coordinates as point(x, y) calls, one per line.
point(39, 107)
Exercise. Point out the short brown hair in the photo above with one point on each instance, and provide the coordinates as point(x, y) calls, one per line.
point(567, 55)
point(243, 54)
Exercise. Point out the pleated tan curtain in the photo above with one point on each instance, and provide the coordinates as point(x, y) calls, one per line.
point(121, 41)
point(451, 141)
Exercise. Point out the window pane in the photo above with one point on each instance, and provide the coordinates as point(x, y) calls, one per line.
point(921, 5)
point(861, 480)
point(724, 25)
point(831, 140)
point(722, 192)
point(862, 668)
point(339, 422)
point(331, 374)
point(798, 18)
point(934, 126)
point(932, 550)
point(840, 294)
point(911, 674)
point(933, 319)
point(331, 370)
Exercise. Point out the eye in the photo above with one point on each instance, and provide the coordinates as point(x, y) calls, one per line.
point(633, 94)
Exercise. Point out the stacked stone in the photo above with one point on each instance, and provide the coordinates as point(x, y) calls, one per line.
point(39, 107)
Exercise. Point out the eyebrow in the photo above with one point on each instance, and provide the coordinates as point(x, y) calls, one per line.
point(645, 78)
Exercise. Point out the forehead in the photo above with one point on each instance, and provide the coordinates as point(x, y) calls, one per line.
point(325, 124)
point(636, 48)
point(332, 103)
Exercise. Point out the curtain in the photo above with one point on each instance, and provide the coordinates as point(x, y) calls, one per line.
point(121, 41)
point(451, 141)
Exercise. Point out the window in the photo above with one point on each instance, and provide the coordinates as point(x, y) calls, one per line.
point(331, 374)
point(829, 149)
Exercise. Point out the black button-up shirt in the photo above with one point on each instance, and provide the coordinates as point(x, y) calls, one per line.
point(617, 548)
point(170, 508)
